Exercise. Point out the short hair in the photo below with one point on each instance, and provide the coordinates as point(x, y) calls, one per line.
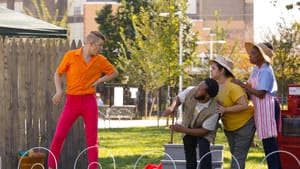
point(94, 36)
point(212, 87)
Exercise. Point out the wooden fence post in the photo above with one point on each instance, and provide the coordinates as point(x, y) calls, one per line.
point(27, 116)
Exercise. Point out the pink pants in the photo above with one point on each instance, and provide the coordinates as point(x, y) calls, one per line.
point(75, 106)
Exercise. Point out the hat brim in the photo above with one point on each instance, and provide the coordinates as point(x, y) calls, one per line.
point(249, 46)
point(225, 66)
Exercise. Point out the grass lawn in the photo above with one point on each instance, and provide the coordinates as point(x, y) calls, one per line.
point(127, 145)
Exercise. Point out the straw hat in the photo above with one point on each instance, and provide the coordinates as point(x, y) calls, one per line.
point(266, 52)
point(225, 62)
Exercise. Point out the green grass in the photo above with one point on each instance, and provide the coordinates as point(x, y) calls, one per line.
point(127, 145)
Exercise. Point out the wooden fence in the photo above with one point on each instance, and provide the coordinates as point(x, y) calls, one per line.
point(27, 116)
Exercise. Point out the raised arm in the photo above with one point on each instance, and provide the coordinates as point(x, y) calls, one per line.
point(258, 93)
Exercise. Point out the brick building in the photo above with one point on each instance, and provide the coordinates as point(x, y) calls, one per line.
point(201, 12)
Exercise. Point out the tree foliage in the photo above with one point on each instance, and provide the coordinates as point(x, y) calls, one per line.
point(111, 22)
point(153, 52)
point(287, 49)
point(286, 63)
point(42, 12)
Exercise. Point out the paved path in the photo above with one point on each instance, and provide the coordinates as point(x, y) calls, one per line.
point(130, 123)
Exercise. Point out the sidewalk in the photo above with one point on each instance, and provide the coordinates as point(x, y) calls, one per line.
point(130, 123)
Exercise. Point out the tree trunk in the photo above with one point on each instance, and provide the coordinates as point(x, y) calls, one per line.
point(152, 105)
point(146, 103)
point(10, 4)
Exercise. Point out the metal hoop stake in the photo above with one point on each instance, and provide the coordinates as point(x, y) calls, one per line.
point(234, 158)
point(280, 151)
point(111, 155)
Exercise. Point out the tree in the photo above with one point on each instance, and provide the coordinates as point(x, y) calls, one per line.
point(110, 24)
point(291, 6)
point(286, 62)
point(153, 60)
point(43, 13)
point(286, 45)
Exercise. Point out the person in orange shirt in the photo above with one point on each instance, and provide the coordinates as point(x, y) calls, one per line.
point(84, 69)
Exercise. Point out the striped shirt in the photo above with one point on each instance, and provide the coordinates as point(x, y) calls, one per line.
point(264, 109)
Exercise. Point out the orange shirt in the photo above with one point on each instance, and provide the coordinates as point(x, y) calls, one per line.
point(79, 75)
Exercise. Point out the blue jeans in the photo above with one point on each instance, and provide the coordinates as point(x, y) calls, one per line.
point(270, 145)
point(190, 144)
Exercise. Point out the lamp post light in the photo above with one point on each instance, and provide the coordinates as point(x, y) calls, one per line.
point(211, 42)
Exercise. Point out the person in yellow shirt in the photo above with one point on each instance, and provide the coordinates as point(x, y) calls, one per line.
point(236, 113)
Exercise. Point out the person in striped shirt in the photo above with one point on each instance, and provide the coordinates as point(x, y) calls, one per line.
point(262, 86)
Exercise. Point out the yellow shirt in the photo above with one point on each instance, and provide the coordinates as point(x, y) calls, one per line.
point(228, 96)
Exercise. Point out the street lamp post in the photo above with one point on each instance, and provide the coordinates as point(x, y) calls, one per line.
point(180, 66)
point(180, 55)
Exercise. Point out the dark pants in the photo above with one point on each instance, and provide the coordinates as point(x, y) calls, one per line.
point(190, 145)
point(270, 145)
point(239, 143)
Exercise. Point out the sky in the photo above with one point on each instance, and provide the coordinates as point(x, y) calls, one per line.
point(266, 16)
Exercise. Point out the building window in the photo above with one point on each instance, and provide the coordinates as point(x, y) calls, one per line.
point(192, 7)
point(77, 10)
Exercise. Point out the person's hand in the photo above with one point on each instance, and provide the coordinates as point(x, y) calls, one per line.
point(168, 112)
point(220, 109)
point(56, 99)
point(94, 84)
point(177, 128)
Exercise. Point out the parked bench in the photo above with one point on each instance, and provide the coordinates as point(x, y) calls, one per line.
point(116, 112)
point(122, 112)
point(103, 111)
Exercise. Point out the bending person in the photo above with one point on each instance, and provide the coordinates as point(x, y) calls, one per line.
point(199, 121)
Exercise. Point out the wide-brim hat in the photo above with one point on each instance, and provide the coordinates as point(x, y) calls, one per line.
point(225, 62)
point(266, 52)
